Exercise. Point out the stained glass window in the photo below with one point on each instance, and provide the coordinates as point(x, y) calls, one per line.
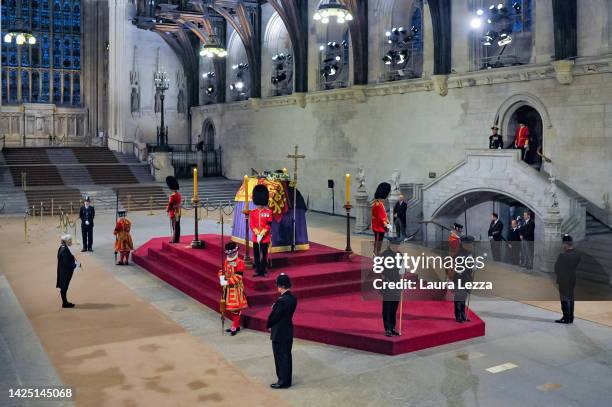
point(48, 71)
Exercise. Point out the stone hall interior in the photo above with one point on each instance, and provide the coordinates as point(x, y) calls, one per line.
point(306, 203)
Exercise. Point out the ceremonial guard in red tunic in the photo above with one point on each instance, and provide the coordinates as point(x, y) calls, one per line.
point(230, 279)
point(380, 221)
point(123, 238)
point(174, 209)
point(260, 221)
point(521, 140)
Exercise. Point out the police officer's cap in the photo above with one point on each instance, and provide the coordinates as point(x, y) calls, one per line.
point(567, 238)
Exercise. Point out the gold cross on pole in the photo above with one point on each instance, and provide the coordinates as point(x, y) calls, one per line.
point(295, 157)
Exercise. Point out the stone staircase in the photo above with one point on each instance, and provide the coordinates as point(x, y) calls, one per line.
point(502, 172)
point(63, 176)
point(596, 249)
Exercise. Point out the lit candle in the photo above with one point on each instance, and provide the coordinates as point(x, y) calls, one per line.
point(246, 192)
point(348, 189)
point(195, 182)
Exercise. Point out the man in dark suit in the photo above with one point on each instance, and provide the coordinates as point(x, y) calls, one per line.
point(66, 264)
point(527, 236)
point(391, 297)
point(514, 242)
point(399, 217)
point(495, 236)
point(565, 269)
point(87, 214)
point(280, 324)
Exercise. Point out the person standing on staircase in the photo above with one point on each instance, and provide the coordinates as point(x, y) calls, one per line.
point(565, 269)
point(174, 209)
point(521, 140)
point(87, 214)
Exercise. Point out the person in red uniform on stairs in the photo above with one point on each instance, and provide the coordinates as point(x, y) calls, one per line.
point(231, 282)
point(260, 220)
point(521, 141)
point(380, 221)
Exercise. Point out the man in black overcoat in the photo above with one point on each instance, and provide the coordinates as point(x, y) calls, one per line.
point(280, 324)
point(565, 269)
point(66, 263)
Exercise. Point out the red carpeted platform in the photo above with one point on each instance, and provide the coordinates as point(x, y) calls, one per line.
point(328, 286)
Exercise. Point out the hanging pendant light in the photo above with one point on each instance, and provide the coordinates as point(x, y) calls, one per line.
point(213, 51)
point(20, 35)
point(332, 9)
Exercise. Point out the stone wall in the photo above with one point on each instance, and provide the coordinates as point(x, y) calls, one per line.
point(125, 40)
point(408, 126)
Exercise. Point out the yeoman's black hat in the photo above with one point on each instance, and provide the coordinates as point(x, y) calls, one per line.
point(260, 195)
point(172, 183)
point(458, 226)
point(383, 190)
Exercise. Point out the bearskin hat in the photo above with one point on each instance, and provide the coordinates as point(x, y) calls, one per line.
point(260, 195)
point(383, 190)
point(172, 183)
point(231, 248)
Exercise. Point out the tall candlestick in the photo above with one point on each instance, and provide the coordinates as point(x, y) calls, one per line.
point(348, 188)
point(195, 182)
point(246, 192)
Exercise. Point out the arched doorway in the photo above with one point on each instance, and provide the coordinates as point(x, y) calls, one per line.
point(532, 119)
point(473, 210)
point(208, 135)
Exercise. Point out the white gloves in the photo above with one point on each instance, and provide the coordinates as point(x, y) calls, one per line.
point(77, 264)
point(388, 226)
point(222, 281)
point(259, 238)
point(87, 222)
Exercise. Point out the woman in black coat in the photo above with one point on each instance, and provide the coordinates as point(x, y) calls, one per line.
point(66, 263)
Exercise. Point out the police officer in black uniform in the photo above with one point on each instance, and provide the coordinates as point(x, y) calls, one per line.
point(280, 324)
point(565, 269)
point(87, 214)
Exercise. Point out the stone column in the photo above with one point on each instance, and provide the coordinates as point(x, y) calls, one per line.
point(552, 239)
point(542, 23)
point(362, 210)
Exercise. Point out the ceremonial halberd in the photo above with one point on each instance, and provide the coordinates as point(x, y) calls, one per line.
point(281, 205)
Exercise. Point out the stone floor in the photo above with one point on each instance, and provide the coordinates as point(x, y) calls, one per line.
point(524, 359)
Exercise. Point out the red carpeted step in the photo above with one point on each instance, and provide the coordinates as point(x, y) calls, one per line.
point(349, 321)
point(264, 292)
point(329, 311)
point(302, 274)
